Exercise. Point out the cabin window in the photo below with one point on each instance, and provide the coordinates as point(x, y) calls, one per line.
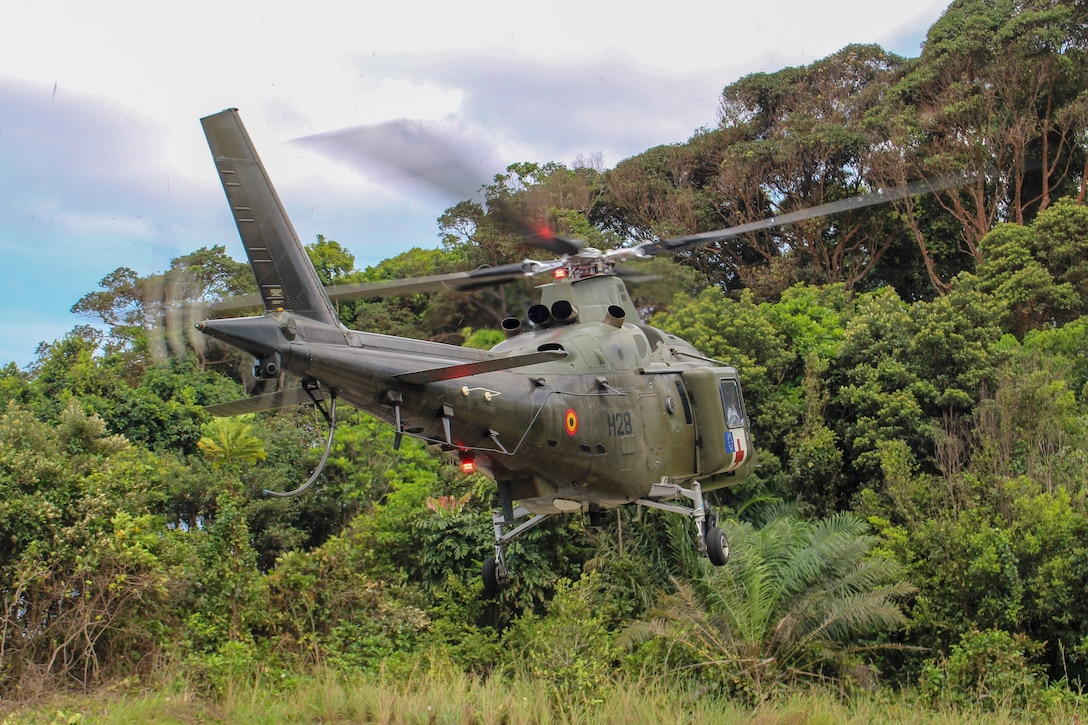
point(684, 401)
point(732, 403)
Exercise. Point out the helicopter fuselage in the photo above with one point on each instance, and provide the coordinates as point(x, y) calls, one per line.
point(626, 407)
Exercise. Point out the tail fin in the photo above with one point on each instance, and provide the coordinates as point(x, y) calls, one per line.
point(285, 276)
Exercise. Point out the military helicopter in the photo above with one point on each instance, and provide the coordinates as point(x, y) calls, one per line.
point(581, 409)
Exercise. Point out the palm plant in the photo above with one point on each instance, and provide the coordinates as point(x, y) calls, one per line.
point(800, 599)
point(231, 442)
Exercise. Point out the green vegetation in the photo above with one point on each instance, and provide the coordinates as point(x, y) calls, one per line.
point(912, 548)
point(442, 697)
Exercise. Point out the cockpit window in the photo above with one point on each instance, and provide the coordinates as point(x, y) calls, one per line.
point(732, 403)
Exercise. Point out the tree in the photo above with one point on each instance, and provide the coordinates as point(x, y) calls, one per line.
point(569, 650)
point(992, 669)
point(802, 145)
point(86, 587)
point(1061, 245)
point(229, 444)
point(905, 372)
point(1030, 295)
point(660, 192)
point(332, 262)
point(989, 552)
point(998, 100)
point(149, 317)
point(1038, 271)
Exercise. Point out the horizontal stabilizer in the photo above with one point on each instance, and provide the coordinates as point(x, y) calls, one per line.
point(258, 403)
point(463, 370)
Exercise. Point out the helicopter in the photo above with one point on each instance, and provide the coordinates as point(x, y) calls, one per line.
point(581, 409)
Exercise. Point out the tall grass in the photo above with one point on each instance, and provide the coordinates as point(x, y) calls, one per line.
point(449, 699)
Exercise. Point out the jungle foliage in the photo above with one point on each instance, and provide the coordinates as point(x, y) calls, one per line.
point(916, 374)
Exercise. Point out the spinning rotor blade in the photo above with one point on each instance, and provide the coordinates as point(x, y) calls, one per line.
point(540, 236)
point(553, 242)
point(404, 150)
point(236, 304)
point(170, 311)
point(459, 281)
point(882, 196)
point(287, 398)
point(411, 151)
point(477, 278)
point(425, 156)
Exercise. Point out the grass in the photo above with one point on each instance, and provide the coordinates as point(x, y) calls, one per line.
point(459, 700)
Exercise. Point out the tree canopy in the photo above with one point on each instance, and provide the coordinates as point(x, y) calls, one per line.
point(916, 375)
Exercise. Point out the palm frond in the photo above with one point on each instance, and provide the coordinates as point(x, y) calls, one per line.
point(797, 597)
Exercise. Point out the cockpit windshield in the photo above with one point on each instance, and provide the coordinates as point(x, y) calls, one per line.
point(732, 403)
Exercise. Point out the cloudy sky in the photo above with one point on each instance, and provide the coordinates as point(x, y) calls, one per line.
point(103, 163)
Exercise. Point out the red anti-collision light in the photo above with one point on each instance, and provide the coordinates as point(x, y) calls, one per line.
point(468, 465)
point(560, 273)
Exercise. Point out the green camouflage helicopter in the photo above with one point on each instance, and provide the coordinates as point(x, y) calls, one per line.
point(582, 408)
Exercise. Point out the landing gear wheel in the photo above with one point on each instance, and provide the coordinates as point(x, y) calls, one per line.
point(717, 547)
point(495, 576)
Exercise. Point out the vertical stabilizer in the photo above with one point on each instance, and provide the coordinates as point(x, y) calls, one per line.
point(285, 276)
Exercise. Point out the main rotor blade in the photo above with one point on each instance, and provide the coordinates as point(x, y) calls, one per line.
point(882, 196)
point(269, 401)
point(484, 277)
point(540, 236)
point(403, 150)
point(235, 304)
point(459, 281)
point(424, 155)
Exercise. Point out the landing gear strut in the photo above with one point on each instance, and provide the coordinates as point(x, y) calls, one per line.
point(712, 541)
point(495, 573)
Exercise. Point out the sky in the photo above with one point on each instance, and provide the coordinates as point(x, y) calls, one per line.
point(103, 163)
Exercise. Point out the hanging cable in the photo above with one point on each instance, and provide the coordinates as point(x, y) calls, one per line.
point(330, 416)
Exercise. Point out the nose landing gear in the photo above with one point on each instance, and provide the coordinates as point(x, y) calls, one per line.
point(711, 540)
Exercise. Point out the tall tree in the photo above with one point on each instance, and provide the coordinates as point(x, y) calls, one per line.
point(1038, 272)
point(803, 144)
point(229, 444)
point(998, 99)
point(150, 317)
